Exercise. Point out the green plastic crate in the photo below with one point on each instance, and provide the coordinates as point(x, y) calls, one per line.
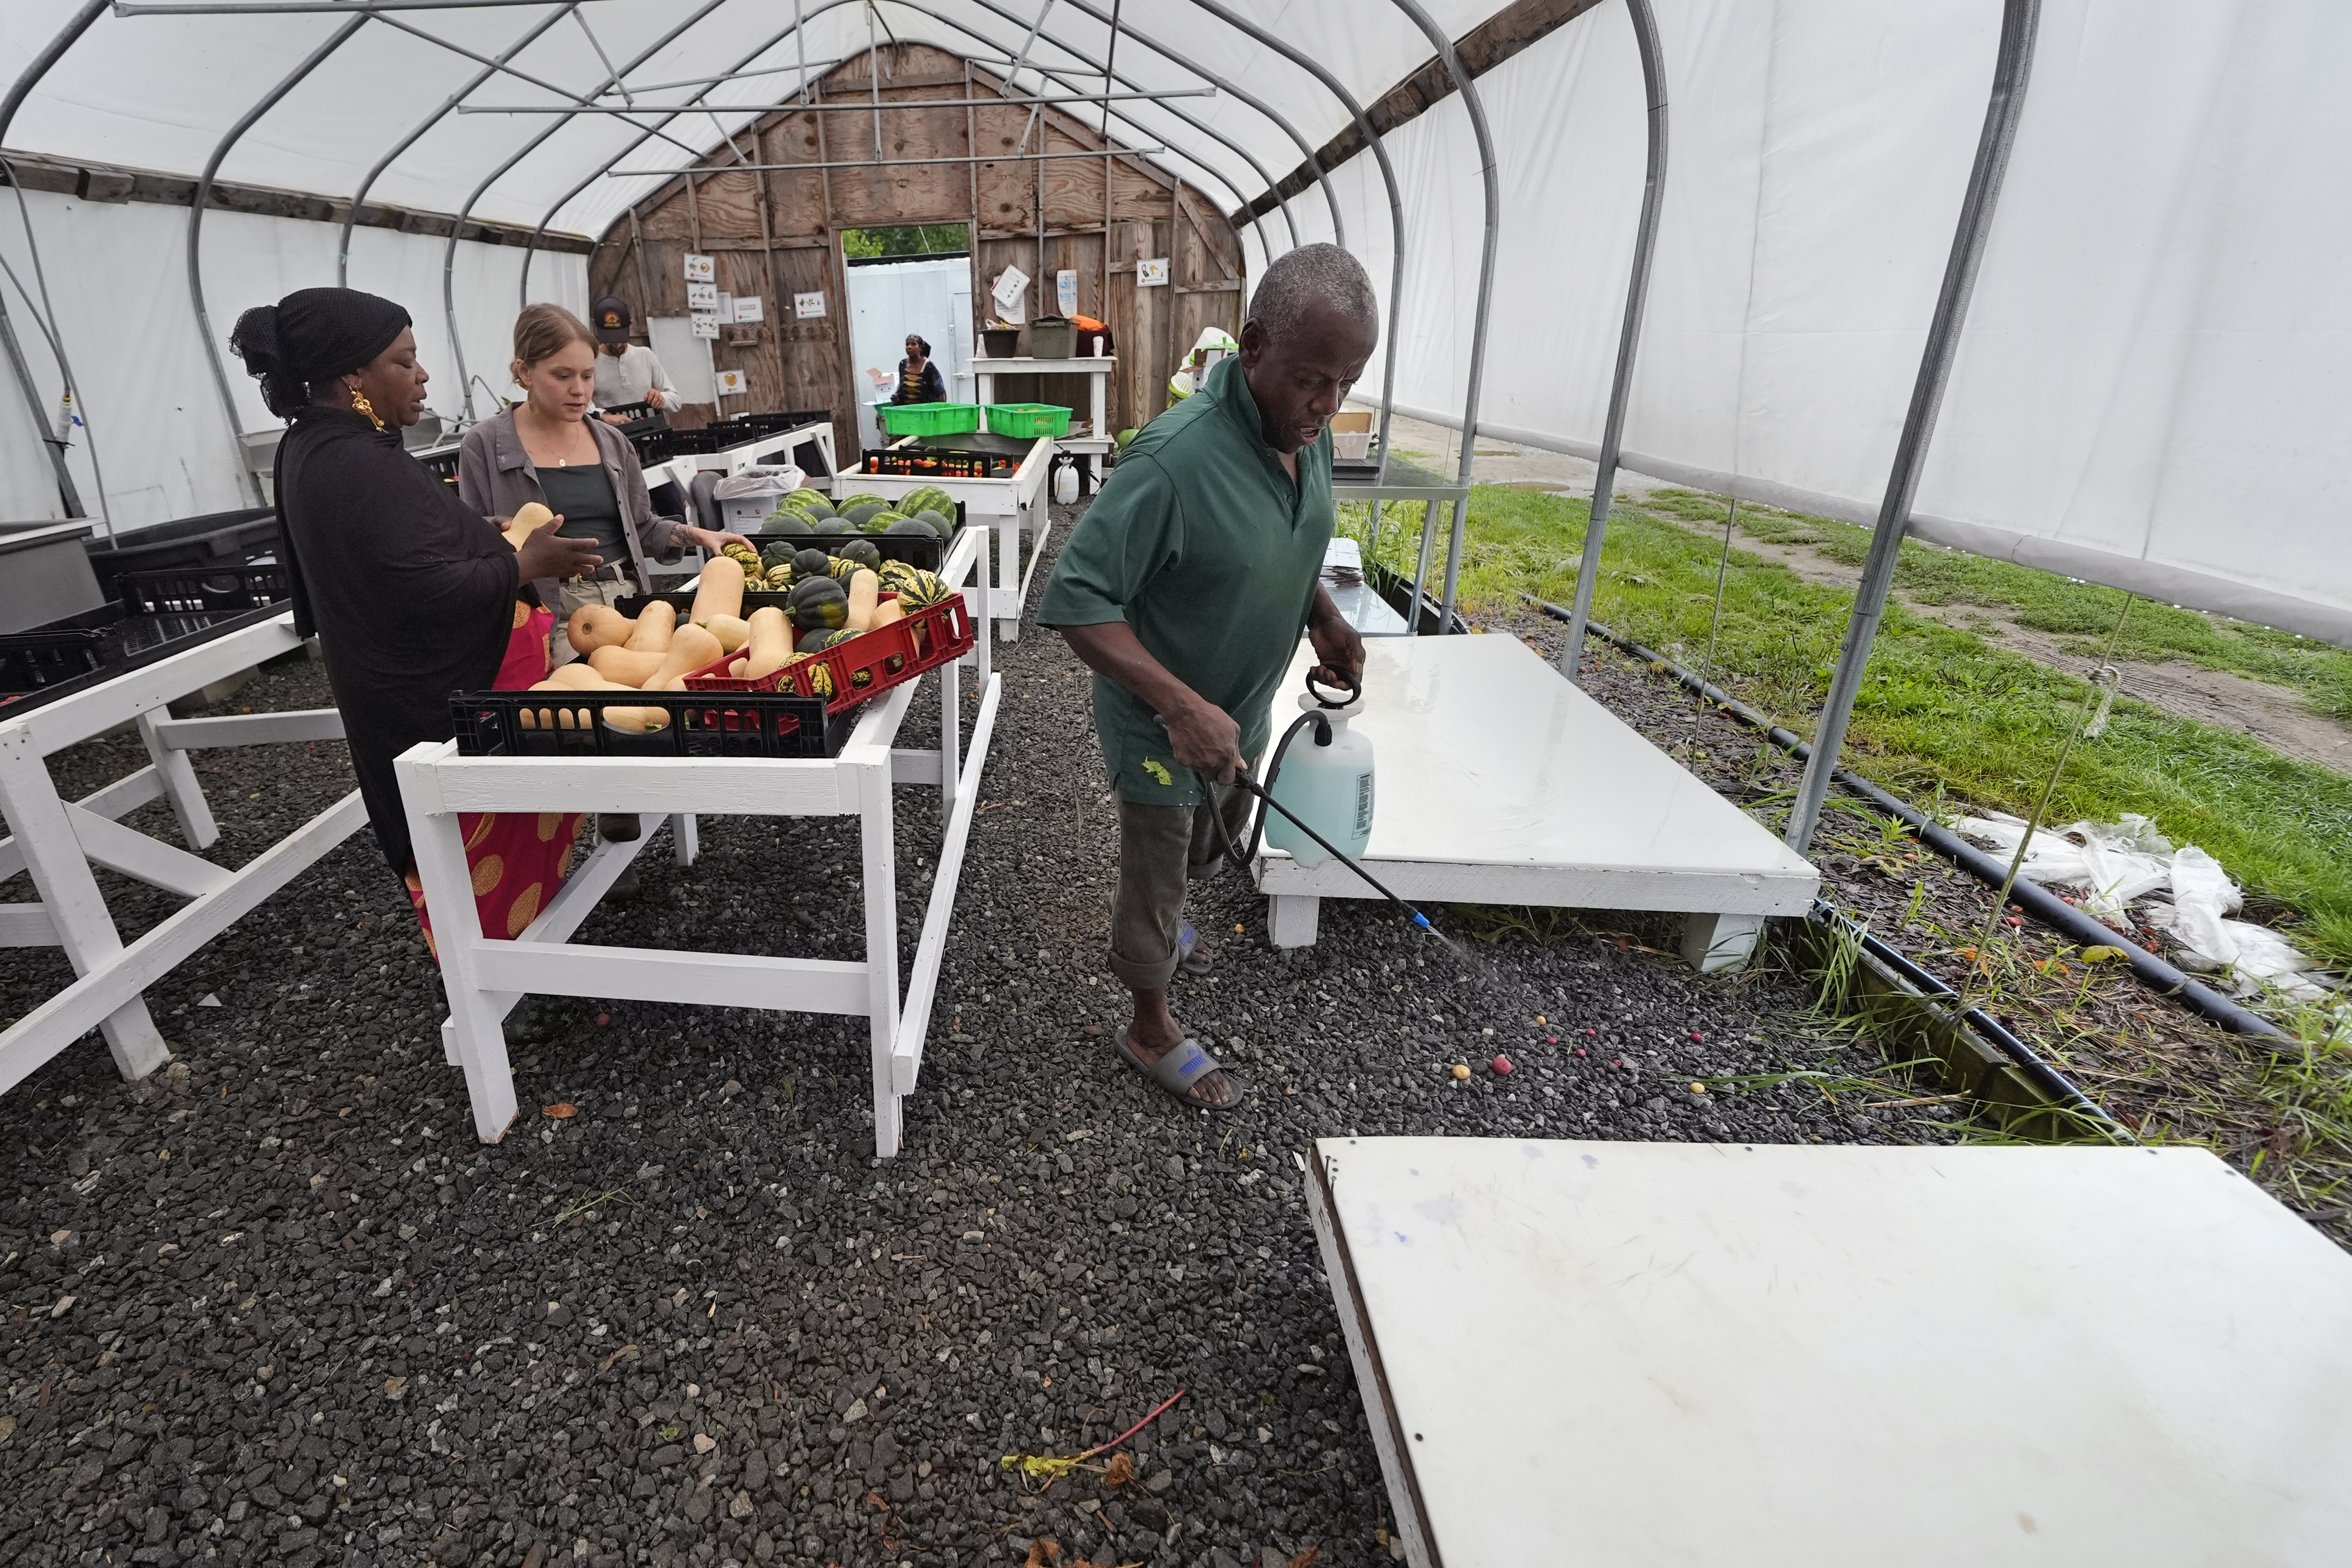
point(929, 418)
point(1026, 419)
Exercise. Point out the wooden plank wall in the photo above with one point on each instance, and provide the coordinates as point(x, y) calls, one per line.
point(777, 234)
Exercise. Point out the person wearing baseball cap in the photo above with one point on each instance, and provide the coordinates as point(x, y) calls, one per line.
point(626, 373)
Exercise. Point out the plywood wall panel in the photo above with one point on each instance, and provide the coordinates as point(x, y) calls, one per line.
point(804, 364)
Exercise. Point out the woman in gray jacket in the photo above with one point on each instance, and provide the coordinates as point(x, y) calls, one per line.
point(547, 449)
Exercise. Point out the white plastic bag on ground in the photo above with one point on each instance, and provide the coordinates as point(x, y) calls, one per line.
point(2121, 865)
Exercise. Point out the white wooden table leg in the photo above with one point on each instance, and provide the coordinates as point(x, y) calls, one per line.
point(178, 776)
point(1291, 919)
point(950, 738)
point(1006, 594)
point(1718, 942)
point(686, 842)
point(880, 867)
point(475, 1024)
point(28, 798)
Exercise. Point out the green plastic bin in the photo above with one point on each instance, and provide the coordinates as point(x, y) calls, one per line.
point(1027, 419)
point(930, 418)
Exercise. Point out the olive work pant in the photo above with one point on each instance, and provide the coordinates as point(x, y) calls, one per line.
point(578, 591)
point(1160, 849)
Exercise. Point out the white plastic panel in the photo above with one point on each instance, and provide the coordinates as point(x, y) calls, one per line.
point(1790, 1357)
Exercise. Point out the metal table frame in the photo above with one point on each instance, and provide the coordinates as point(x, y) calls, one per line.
point(60, 842)
point(484, 977)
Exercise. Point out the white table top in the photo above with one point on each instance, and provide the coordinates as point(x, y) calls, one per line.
point(1089, 365)
point(1691, 1354)
point(1487, 757)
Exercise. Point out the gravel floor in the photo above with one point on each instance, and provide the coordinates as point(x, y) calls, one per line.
point(276, 1305)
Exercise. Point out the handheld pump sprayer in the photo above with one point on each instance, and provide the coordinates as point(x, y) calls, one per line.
point(1342, 791)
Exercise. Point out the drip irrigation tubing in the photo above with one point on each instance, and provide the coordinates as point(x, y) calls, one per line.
point(2026, 1060)
point(2031, 896)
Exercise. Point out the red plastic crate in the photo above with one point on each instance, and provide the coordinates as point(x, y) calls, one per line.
point(887, 656)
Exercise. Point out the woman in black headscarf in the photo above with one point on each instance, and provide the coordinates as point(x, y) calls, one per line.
point(412, 596)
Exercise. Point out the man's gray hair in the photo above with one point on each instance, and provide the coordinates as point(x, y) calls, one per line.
point(1309, 273)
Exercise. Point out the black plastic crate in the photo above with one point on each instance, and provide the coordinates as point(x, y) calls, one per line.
point(934, 463)
point(769, 423)
point(53, 655)
point(701, 724)
point(192, 591)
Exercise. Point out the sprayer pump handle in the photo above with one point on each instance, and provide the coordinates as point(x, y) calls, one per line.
point(1349, 684)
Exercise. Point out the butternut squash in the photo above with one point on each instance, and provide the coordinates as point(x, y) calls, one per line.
point(578, 676)
point(690, 648)
point(886, 611)
point(594, 626)
point(865, 592)
point(654, 626)
point(720, 591)
point(528, 518)
point(637, 720)
point(626, 665)
point(735, 670)
point(731, 631)
point(771, 644)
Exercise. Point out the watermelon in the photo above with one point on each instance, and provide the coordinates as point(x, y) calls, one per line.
point(927, 498)
point(942, 524)
point(880, 523)
point(819, 605)
point(861, 498)
point(819, 512)
point(914, 527)
point(786, 522)
point(856, 513)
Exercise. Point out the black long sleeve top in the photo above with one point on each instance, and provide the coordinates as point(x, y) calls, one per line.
point(411, 595)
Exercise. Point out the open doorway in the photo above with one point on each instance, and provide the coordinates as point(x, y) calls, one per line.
point(912, 281)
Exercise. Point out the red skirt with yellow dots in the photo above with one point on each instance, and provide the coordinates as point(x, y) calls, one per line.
point(519, 860)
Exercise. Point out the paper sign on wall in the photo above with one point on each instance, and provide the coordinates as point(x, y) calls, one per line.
point(808, 307)
point(1066, 290)
point(699, 269)
point(725, 308)
point(705, 326)
point(730, 383)
point(702, 297)
point(1010, 286)
point(750, 308)
point(1152, 274)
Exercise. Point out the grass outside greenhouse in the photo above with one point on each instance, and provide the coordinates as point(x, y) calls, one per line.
point(1946, 717)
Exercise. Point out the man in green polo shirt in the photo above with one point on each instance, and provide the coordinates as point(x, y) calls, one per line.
point(1184, 588)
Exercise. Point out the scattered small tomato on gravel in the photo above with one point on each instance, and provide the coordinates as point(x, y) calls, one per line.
point(1616, 1062)
point(1461, 1069)
point(1698, 1088)
point(1579, 1051)
point(1501, 1064)
point(1697, 1037)
point(2014, 920)
point(603, 1019)
point(1592, 1031)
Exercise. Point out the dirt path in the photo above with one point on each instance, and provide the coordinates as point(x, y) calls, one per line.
point(2276, 715)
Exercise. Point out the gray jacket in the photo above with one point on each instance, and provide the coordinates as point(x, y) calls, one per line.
point(495, 477)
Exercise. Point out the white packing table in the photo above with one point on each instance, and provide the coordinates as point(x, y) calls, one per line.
point(484, 978)
point(1500, 782)
point(1004, 505)
point(1777, 1356)
point(60, 842)
point(1098, 372)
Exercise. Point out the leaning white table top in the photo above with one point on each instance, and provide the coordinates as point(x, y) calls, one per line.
point(1500, 782)
point(1691, 1354)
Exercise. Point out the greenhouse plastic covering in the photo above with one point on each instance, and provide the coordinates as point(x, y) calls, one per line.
point(2147, 392)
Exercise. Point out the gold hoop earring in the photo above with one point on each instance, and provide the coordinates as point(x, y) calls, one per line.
point(360, 404)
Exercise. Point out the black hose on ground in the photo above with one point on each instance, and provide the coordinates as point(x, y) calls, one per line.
point(2029, 895)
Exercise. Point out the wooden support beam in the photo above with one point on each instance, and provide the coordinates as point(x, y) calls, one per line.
point(104, 183)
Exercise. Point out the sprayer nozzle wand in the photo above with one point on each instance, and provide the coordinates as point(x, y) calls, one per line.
point(1254, 787)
